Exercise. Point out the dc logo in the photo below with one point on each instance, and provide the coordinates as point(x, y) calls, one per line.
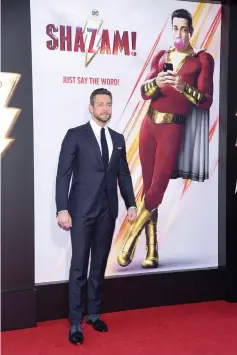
point(95, 12)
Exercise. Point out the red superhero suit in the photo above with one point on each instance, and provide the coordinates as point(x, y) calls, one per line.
point(158, 157)
point(173, 140)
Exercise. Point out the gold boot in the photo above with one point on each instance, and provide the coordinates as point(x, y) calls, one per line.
point(151, 260)
point(129, 247)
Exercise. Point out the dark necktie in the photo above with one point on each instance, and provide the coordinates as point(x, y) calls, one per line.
point(104, 148)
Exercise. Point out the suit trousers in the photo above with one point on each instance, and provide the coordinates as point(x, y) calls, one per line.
point(89, 236)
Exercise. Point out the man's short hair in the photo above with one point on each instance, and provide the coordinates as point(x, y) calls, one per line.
point(100, 91)
point(182, 13)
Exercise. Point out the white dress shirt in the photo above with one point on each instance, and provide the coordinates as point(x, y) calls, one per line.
point(97, 132)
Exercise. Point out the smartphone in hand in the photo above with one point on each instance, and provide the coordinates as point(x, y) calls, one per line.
point(168, 66)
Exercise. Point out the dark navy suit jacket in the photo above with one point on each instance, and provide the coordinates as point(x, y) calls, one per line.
point(80, 158)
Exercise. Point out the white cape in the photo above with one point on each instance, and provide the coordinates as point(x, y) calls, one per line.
point(193, 160)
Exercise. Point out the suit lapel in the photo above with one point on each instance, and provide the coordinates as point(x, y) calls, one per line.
point(93, 141)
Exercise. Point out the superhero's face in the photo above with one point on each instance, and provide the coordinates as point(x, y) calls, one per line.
point(102, 108)
point(181, 29)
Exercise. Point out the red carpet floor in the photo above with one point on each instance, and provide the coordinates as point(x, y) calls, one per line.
point(194, 329)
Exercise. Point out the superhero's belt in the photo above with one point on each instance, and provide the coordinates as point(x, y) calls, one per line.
point(161, 117)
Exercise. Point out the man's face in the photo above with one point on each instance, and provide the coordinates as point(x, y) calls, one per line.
point(102, 108)
point(181, 29)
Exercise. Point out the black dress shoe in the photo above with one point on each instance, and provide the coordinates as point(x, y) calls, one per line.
point(76, 336)
point(97, 323)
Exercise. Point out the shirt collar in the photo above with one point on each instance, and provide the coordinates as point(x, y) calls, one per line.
point(96, 128)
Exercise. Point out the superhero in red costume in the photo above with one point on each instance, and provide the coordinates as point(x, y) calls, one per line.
point(174, 134)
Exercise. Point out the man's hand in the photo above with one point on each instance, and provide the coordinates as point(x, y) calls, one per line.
point(64, 220)
point(160, 79)
point(175, 81)
point(132, 214)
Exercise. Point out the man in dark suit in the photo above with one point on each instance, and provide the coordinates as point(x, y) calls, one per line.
point(95, 157)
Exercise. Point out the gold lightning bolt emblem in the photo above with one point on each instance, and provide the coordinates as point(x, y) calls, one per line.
point(8, 115)
point(95, 24)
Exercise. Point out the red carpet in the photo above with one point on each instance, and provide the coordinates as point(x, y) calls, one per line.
point(194, 329)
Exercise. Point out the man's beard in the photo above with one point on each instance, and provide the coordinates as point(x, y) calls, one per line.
point(103, 119)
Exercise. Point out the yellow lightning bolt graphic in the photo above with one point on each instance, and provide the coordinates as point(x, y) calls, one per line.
point(95, 24)
point(8, 115)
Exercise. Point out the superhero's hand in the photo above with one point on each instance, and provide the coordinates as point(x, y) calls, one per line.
point(175, 80)
point(160, 79)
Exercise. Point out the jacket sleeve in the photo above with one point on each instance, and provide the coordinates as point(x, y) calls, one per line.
point(125, 180)
point(65, 168)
